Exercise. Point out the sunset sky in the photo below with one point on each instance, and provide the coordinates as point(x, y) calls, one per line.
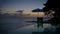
point(26, 5)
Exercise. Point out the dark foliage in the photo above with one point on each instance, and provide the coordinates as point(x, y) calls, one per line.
point(53, 5)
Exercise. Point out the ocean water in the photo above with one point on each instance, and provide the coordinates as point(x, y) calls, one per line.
point(14, 25)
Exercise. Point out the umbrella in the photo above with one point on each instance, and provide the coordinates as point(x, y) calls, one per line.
point(37, 10)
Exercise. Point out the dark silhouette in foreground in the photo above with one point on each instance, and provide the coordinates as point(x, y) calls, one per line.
point(54, 6)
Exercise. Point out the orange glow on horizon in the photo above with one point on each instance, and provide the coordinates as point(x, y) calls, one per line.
point(35, 14)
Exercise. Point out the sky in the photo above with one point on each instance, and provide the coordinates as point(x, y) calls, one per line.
point(26, 5)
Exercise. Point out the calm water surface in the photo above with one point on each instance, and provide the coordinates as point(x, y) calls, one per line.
point(19, 26)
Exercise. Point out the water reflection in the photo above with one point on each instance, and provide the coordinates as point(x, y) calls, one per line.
point(47, 29)
point(33, 29)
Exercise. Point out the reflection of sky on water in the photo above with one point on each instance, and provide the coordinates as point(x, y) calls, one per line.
point(17, 26)
point(33, 28)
